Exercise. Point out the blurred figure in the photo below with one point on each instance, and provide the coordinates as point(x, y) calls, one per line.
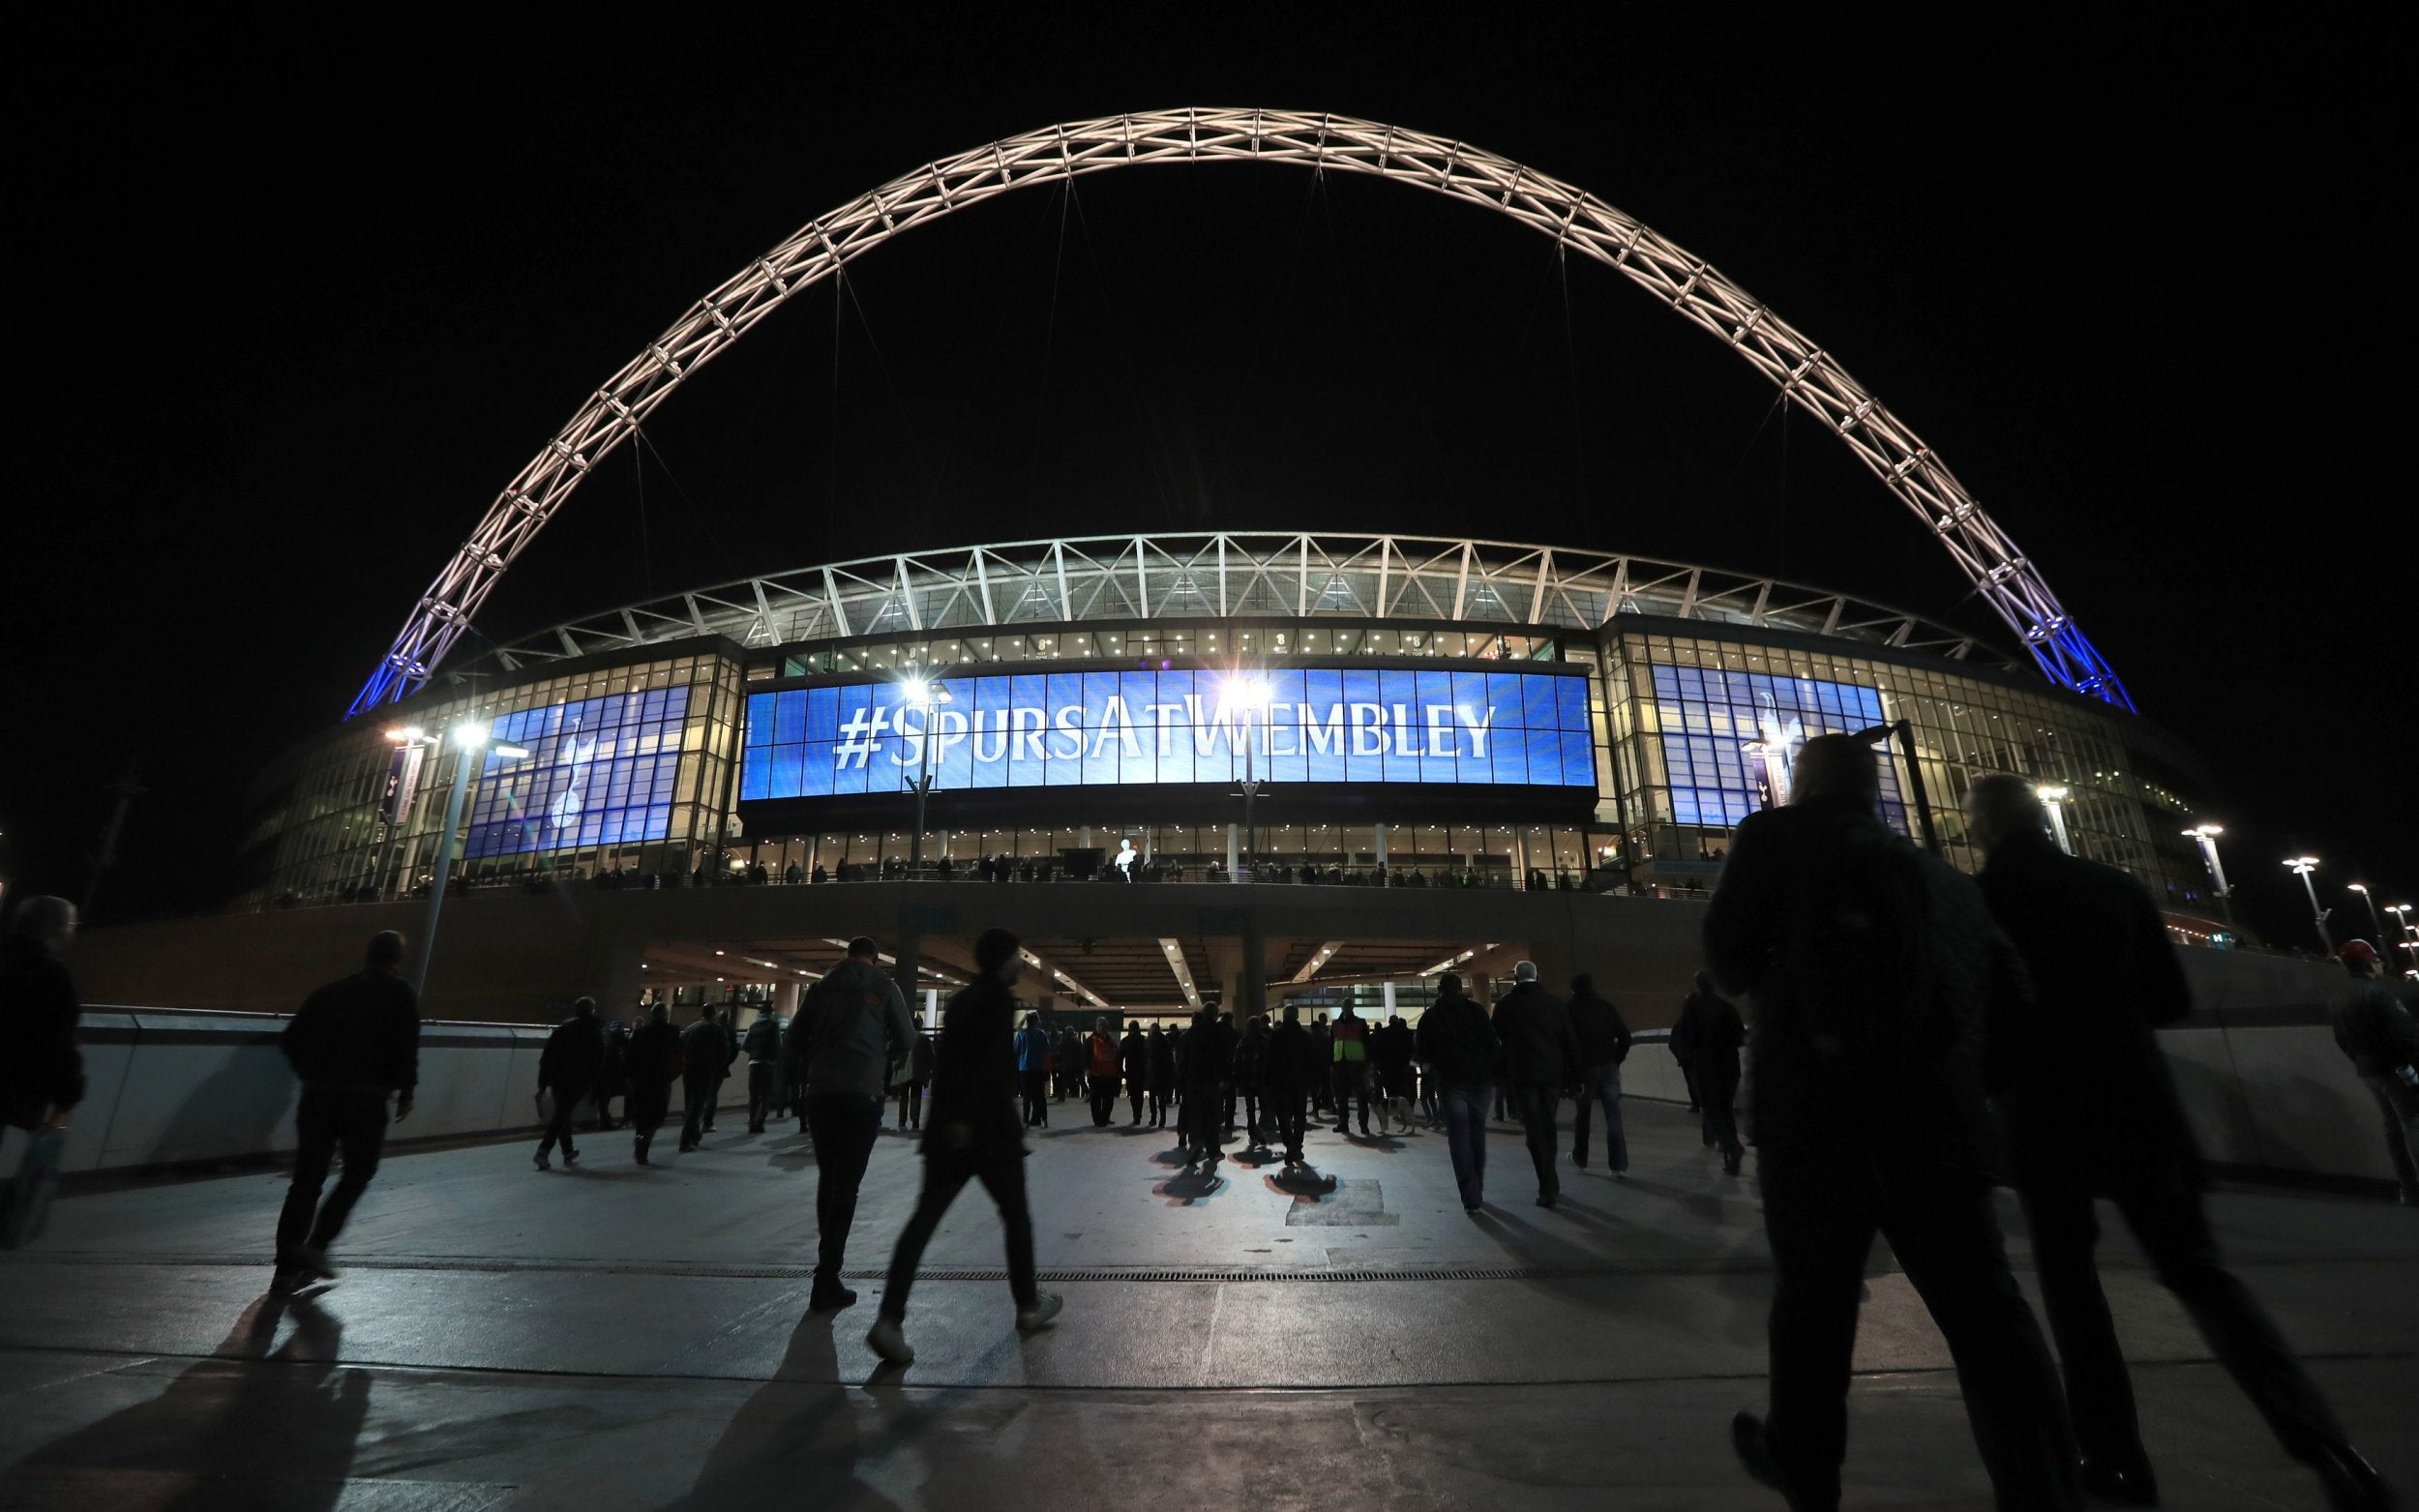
point(352, 1044)
point(1251, 1075)
point(568, 1068)
point(41, 1080)
point(706, 1051)
point(1162, 1075)
point(1134, 1061)
point(1349, 1075)
point(1208, 1060)
point(1460, 1047)
point(655, 1062)
point(1391, 1048)
point(1874, 967)
point(613, 1077)
point(2374, 1030)
point(762, 1048)
point(1604, 1037)
point(919, 1075)
point(1032, 1069)
point(1101, 1062)
point(1709, 1035)
point(975, 1136)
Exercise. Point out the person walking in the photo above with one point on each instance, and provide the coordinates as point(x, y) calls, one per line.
point(568, 1067)
point(655, 1061)
point(706, 1053)
point(1461, 1046)
point(353, 1044)
point(1322, 1040)
point(1349, 1069)
point(1134, 1060)
point(1540, 1059)
point(41, 1076)
point(762, 1048)
point(1250, 1079)
point(2374, 1030)
point(1162, 1075)
point(2091, 1112)
point(1101, 1064)
point(1392, 1051)
point(975, 1135)
point(1292, 1069)
point(1209, 1060)
point(861, 1035)
point(919, 1076)
point(1872, 965)
point(1604, 1037)
point(1032, 1070)
point(612, 1075)
point(1710, 1034)
point(1068, 1063)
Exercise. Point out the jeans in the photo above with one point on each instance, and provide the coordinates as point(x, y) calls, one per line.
point(1600, 1085)
point(1535, 1108)
point(557, 1128)
point(763, 1093)
point(910, 1105)
point(1350, 1080)
point(1002, 1175)
point(2164, 1209)
point(2398, 1103)
point(324, 1122)
point(1465, 1132)
point(1826, 1194)
point(696, 1097)
point(844, 1126)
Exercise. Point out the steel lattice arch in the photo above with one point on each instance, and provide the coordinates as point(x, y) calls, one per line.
point(1228, 575)
point(1806, 374)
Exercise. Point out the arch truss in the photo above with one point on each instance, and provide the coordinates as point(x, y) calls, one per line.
point(1807, 376)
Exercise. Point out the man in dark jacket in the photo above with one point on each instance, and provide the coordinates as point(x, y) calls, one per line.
point(1162, 1075)
point(1208, 1060)
point(41, 1080)
point(706, 1051)
point(976, 1135)
point(1540, 1059)
point(762, 1048)
point(862, 1035)
point(1348, 1077)
point(2374, 1028)
point(352, 1044)
point(568, 1067)
point(1709, 1036)
point(919, 1074)
point(1292, 1070)
point(1460, 1048)
point(1392, 1051)
point(1134, 1061)
point(1251, 1075)
point(612, 1075)
point(1603, 1038)
point(654, 1062)
point(2092, 1111)
point(1872, 968)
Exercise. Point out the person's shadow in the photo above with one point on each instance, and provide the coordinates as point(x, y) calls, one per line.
point(795, 1443)
point(250, 1426)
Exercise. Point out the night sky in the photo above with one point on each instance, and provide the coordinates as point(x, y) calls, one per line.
point(293, 305)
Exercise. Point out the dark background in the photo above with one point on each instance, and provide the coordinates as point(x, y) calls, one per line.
point(294, 302)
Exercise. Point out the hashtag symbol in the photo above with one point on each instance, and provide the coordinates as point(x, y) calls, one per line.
point(857, 738)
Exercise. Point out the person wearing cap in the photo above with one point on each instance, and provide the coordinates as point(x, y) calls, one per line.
point(2374, 1028)
point(861, 1035)
point(973, 1133)
point(2091, 1112)
point(1540, 1059)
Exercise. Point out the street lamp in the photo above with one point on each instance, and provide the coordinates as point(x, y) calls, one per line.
point(473, 739)
point(2375, 922)
point(2054, 799)
point(2207, 835)
point(2410, 933)
point(2302, 867)
point(924, 696)
point(1245, 692)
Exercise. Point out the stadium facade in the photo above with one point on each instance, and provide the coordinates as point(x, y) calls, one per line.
point(1411, 710)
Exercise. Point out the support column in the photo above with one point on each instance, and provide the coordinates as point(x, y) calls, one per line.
point(1232, 856)
point(910, 953)
point(1390, 999)
point(1380, 845)
point(1250, 995)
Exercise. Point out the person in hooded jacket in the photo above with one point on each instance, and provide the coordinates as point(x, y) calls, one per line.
point(655, 1062)
point(1134, 1062)
point(1540, 1059)
point(1162, 1074)
point(1604, 1037)
point(973, 1134)
point(1209, 1060)
point(568, 1067)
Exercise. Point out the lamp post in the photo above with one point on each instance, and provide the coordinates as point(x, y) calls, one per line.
point(2375, 922)
point(2410, 933)
point(472, 741)
point(2302, 867)
point(923, 695)
point(1246, 693)
point(1905, 731)
point(2054, 799)
point(2207, 835)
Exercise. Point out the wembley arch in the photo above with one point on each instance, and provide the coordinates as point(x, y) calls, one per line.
point(1806, 374)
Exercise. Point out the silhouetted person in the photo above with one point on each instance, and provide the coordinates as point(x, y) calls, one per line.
point(568, 1067)
point(1032, 1069)
point(919, 1075)
point(1460, 1048)
point(860, 1033)
point(1680, 1051)
point(1540, 1059)
point(1291, 1069)
point(762, 1048)
point(1102, 1065)
point(1604, 1037)
point(352, 1044)
point(1250, 1081)
point(1208, 1060)
point(1872, 968)
point(655, 1063)
point(1709, 1034)
point(1162, 1075)
point(2092, 1111)
point(975, 1135)
point(2374, 1030)
point(1134, 1062)
point(1348, 1077)
point(41, 1076)
point(706, 1050)
point(612, 1075)
point(1392, 1050)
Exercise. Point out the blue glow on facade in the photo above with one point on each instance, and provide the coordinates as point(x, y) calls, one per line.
point(600, 772)
point(1728, 739)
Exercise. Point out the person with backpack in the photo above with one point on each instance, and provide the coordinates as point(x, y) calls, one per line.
point(861, 1035)
point(1032, 1070)
point(2091, 1111)
point(353, 1044)
point(568, 1068)
point(1710, 1034)
point(762, 1048)
point(973, 1135)
point(1604, 1037)
point(1872, 968)
point(655, 1062)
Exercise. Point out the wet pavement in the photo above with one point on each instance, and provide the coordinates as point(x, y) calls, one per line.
point(609, 1336)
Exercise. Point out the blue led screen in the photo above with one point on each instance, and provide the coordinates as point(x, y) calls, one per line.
point(1054, 730)
point(600, 772)
point(1728, 738)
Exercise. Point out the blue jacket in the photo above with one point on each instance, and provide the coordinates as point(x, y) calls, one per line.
point(1033, 1050)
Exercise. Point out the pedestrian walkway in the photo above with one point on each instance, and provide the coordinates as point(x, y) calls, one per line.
point(608, 1337)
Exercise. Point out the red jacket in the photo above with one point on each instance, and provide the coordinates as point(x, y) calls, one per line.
point(1104, 1056)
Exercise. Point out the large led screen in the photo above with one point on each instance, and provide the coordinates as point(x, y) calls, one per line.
point(599, 772)
point(1054, 730)
point(1729, 738)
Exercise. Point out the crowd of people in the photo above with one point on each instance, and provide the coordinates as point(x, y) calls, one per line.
point(1916, 1035)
